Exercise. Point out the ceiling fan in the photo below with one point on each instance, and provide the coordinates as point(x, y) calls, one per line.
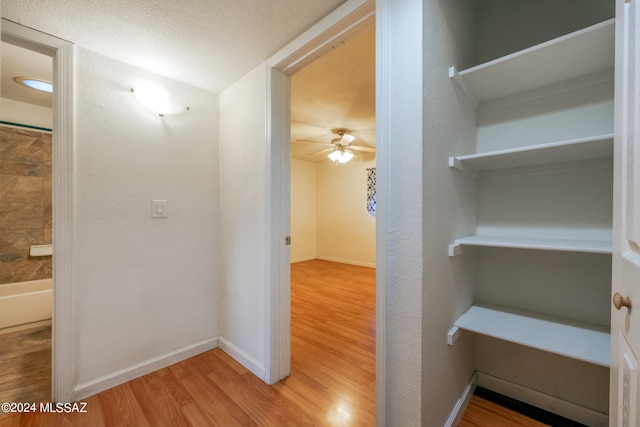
point(341, 150)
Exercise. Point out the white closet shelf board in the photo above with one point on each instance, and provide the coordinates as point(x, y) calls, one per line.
point(596, 147)
point(569, 245)
point(551, 62)
point(582, 341)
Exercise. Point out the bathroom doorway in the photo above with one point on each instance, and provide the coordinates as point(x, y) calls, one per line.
point(26, 120)
point(61, 185)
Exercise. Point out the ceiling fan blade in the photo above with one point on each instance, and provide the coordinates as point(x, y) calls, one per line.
point(347, 139)
point(321, 151)
point(362, 148)
point(310, 140)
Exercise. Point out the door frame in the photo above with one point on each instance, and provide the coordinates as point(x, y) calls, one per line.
point(347, 20)
point(63, 174)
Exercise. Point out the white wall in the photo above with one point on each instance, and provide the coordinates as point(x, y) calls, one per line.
point(399, 218)
point(143, 287)
point(506, 26)
point(27, 114)
point(448, 207)
point(243, 218)
point(303, 210)
point(346, 231)
point(329, 219)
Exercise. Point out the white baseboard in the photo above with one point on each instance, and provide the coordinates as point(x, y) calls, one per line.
point(243, 358)
point(463, 401)
point(106, 382)
point(302, 259)
point(540, 400)
point(348, 261)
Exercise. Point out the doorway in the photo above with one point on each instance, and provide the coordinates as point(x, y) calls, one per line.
point(333, 111)
point(62, 185)
point(25, 224)
point(347, 20)
point(333, 226)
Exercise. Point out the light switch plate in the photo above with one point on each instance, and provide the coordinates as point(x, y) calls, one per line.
point(159, 209)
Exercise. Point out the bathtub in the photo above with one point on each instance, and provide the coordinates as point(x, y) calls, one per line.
point(25, 302)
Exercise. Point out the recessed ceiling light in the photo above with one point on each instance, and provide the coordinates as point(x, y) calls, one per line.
point(37, 84)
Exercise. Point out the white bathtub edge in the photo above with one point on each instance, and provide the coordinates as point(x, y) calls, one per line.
point(23, 303)
point(108, 381)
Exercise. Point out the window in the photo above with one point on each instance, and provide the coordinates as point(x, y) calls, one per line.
point(371, 191)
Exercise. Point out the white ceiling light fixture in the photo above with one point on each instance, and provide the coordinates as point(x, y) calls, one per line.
point(158, 100)
point(341, 156)
point(33, 83)
point(341, 149)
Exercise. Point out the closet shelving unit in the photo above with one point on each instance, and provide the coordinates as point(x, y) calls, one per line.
point(564, 59)
point(555, 61)
point(582, 341)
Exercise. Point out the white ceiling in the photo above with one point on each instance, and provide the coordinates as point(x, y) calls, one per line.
point(335, 91)
point(211, 44)
point(207, 43)
point(17, 62)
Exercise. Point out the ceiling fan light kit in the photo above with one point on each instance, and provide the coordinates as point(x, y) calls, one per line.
point(341, 156)
point(341, 148)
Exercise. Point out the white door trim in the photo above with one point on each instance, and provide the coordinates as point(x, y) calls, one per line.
point(63, 197)
point(350, 18)
point(347, 19)
point(278, 300)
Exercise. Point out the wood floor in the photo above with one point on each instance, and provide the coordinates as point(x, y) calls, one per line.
point(25, 365)
point(483, 413)
point(332, 380)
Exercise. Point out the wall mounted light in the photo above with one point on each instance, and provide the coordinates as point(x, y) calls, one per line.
point(158, 100)
point(341, 156)
point(37, 84)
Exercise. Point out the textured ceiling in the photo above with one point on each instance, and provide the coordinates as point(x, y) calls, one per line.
point(16, 62)
point(335, 91)
point(211, 44)
point(207, 43)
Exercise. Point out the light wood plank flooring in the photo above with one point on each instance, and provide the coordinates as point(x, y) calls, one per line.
point(25, 365)
point(483, 413)
point(332, 380)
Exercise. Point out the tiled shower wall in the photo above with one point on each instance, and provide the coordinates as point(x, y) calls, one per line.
point(25, 203)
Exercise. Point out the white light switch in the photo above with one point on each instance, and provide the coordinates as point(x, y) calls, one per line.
point(159, 209)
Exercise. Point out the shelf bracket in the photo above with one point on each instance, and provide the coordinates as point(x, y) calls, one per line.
point(455, 163)
point(455, 249)
point(459, 81)
point(453, 335)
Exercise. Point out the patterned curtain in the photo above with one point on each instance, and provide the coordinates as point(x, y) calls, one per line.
point(371, 191)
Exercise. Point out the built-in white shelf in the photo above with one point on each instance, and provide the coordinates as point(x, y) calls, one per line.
point(555, 152)
point(554, 61)
point(582, 341)
point(570, 245)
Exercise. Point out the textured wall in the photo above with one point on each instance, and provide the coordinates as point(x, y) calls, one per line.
point(448, 207)
point(243, 221)
point(25, 203)
point(143, 287)
point(399, 216)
